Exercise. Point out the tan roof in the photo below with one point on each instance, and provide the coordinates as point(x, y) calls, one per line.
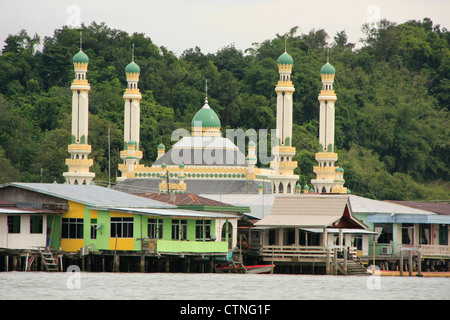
point(308, 211)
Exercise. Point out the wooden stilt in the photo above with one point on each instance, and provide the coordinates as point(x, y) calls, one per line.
point(401, 262)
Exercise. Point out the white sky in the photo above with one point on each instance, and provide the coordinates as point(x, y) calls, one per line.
point(213, 24)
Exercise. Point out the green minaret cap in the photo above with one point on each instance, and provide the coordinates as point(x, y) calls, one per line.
point(285, 58)
point(81, 57)
point(327, 69)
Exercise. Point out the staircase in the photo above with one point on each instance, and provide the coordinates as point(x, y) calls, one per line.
point(354, 268)
point(235, 265)
point(48, 259)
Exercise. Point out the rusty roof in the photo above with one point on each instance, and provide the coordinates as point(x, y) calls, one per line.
point(436, 207)
point(183, 199)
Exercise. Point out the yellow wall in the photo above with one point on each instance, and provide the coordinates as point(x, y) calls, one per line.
point(76, 210)
point(122, 244)
point(72, 245)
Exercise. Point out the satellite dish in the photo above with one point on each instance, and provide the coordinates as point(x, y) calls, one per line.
point(98, 226)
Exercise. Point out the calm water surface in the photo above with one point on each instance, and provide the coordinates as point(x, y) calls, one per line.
point(171, 286)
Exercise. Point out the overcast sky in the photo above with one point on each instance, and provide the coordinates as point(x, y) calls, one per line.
point(213, 24)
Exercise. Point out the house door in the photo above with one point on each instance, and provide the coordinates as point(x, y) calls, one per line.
point(230, 234)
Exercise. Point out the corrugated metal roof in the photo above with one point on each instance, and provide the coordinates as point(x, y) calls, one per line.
point(365, 205)
point(442, 208)
point(335, 230)
point(175, 213)
point(93, 196)
point(306, 211)
point(292, 220)
point(260, 204)
point(183, 199)
point(15, 210)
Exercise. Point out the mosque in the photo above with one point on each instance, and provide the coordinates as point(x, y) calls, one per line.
point(203, 161)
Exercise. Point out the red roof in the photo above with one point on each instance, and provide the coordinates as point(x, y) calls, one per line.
point(436, 207)
point(183, 199)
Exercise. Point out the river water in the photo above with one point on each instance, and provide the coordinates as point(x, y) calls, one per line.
point(214, 286)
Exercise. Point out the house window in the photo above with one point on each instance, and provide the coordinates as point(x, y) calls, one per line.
point(13, 224)
point(72, 228)
point(122, 227)
point(407, 233)
point(424, 234)
point(202, 229)
point(386, 235)
point(443, 235)
point(36, 224)
point(179, 229)
point(155, 228)
point(93, 229)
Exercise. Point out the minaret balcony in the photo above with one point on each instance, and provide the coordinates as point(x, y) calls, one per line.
point(79, 162)
point(79, 148)
point(134, 153)
point(78, 85)
point(80, 82)
point(284, 165)
point(327, 95)
point(285, 86)
point(284, 150)
point(331, 170)
point(326, 156)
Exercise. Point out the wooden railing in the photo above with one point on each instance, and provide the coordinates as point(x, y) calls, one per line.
point(427, 250)
point(299, 253)
point(435, 250)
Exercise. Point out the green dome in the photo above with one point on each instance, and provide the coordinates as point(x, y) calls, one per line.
point(285, 58)
point(260, 186)
point(132, 68)
point(207, 117)
point(181, 165)
point(161, 146)
point(327, 69)
point(251, 144)
point(80, 57)
point(164, 165)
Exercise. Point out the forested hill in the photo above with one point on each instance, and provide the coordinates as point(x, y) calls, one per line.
point(392, 112)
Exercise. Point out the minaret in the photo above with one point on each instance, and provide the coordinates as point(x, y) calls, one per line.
point(79, 149)
point(283, 179)
point(132, 115)
point(329, 179)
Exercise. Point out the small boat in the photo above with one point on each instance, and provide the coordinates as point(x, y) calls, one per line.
point(255, 269)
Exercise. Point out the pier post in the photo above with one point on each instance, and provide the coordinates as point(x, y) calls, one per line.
point(345, 261)
point(116, 264)
point(167, 265)
point(419, 263)
point(327, 266)
point(410, 263)
point(401, 262)
point(142, 263)
point(335, 267)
